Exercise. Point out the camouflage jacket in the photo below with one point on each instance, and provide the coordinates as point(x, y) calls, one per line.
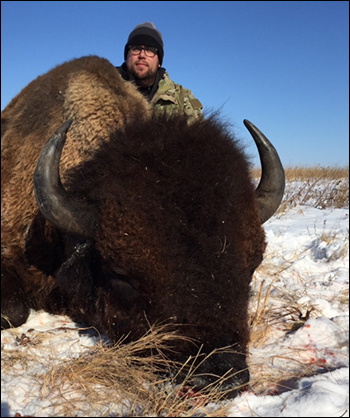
point(167, 96)
point(172, 97)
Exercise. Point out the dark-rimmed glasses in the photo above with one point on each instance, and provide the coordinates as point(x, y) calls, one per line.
point(149, 50)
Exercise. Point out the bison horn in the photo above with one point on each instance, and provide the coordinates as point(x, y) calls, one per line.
point(57, 206)
point(271, 187)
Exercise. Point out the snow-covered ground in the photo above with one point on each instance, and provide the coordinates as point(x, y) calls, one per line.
point(300, 332)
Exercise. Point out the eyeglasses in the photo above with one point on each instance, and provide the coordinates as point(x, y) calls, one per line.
point(149, 51)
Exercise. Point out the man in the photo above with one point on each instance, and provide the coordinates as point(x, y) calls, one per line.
point(143, 55)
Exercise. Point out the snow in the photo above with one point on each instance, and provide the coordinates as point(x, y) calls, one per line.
point(300, 332)
point(317, 396)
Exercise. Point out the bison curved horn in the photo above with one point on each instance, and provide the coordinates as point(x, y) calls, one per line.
point(57, 206)
point(272, 183)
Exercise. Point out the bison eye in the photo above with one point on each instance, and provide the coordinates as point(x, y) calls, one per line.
point(119, 271)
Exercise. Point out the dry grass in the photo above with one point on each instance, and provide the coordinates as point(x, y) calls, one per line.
point(114, 376)
point(118, 380)
point(319, 187)
point(318, 172)
point(308, 173)
point(275, 374)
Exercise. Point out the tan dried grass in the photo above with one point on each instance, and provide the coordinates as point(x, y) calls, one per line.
point(120, 380)
point(302, 173)
point(311, 190)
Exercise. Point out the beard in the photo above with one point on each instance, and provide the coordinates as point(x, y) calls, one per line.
point(143, 76)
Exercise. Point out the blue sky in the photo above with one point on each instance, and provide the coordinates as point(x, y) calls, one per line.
point(284, 65)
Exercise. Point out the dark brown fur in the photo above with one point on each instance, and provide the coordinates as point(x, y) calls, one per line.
point(179, 235)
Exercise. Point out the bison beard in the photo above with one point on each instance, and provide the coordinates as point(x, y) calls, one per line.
point(171, 229)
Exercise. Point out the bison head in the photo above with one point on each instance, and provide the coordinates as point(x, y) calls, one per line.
point(166, 225)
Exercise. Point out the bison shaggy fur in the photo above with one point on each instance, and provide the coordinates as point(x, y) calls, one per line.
point(178, 235)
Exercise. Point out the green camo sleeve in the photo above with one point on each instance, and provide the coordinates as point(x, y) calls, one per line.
point(172, 97)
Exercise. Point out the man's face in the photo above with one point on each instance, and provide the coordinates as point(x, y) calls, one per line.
point(143, 67)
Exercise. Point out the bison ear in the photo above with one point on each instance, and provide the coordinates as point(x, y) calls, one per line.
point(272, 183)
point(70, 215)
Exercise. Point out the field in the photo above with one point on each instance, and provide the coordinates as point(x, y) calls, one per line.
point(299, 332)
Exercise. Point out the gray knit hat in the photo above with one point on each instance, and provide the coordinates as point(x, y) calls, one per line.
point(146, 34)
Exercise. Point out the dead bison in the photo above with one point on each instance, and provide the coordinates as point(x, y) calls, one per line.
point(149, 221)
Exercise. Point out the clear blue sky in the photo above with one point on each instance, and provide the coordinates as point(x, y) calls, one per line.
point(284, 65)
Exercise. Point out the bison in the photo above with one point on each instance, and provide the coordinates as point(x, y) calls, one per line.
point(127, 218)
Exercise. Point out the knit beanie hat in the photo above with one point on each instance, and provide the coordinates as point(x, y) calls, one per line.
point(148, 35)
